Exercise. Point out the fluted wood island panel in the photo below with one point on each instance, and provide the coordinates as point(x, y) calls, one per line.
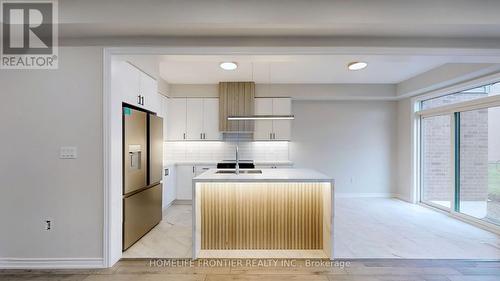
point(248, 218)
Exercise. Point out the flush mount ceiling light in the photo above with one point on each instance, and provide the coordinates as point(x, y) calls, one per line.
point(357, 65)
point(262, 117)
point(228, 65)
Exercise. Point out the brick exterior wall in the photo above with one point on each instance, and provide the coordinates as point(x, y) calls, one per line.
point(436, 155)
point(474, 155)
point(436, 166)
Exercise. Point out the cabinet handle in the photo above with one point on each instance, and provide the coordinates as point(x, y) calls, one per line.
point(193, 169)
point(166, 172)
point(201, 136)
point(204, 136)
point(274, 136)
point(270, 136)
point(139, 99)
point(142, 100)
point(184, 136)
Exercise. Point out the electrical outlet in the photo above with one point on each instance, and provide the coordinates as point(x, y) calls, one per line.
point(68, 152)
point(48, 224)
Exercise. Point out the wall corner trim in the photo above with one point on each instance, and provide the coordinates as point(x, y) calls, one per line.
point(51, 263)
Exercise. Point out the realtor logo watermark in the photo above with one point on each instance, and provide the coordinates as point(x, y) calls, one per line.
point(29, 34)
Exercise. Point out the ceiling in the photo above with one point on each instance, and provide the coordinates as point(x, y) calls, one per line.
point(302, 69)
point(375, 18)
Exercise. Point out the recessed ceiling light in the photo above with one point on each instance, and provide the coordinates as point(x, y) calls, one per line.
point(357, 65)
point(228, 65)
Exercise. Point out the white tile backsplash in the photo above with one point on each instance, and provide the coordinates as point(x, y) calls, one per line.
point(199, 151)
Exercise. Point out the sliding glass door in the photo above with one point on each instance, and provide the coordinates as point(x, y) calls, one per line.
point(460, 153)
point(478, 164)
point(436, 163)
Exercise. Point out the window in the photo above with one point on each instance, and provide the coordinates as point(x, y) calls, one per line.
point(460, 153)
point(436, 161)
point(478, 187)
point(472, 94)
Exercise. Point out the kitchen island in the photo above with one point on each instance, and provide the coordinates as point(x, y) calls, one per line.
point(268, 213)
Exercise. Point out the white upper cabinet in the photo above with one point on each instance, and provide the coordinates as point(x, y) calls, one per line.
point(176, 119)
point(211, 119)
point(194, 129)
point(263, 128)
point(149, 92)
point(125, 82)
point(136, 87)
point(193, 119)
point(273, 129)
point(282, 129)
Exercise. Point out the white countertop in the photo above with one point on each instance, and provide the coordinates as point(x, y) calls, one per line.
point(268, 175)
point(208, 163)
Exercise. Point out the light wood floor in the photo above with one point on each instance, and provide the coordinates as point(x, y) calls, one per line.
point(367, 270)
point(364, 228)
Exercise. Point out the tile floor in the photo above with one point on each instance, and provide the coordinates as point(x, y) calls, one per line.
point(364, 228)
point(171, 238)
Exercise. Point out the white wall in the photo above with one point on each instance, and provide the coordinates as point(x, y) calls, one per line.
point(42, 110)
point(404, 127)
point(348, 140)
point(444, 76)
point(297, 91)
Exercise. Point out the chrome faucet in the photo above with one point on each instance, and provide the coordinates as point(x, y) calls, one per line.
point(237, 161)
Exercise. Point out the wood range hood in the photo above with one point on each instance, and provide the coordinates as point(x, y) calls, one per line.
point(236, 99)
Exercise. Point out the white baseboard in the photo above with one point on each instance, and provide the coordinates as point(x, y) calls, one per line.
point(403, 198)
point(182, 202)
point(364, 195)
point(164, 208)
point(50, 263)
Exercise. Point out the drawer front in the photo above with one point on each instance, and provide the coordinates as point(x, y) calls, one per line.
point(141, 212)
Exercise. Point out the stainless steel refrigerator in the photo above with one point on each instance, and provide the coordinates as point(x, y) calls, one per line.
point(142, 173)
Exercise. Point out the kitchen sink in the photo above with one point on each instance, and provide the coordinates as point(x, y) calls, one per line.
point(241, 172)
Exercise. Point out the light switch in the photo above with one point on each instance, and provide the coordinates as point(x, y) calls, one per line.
point(68, 152)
